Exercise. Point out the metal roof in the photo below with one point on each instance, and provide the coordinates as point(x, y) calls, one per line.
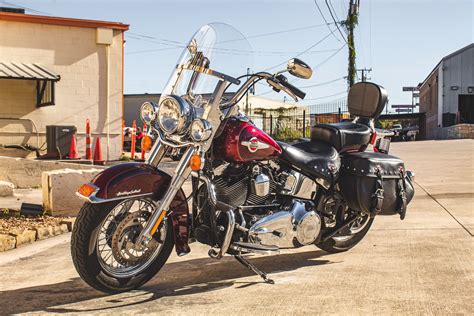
point(26, 72)
point(459, 51)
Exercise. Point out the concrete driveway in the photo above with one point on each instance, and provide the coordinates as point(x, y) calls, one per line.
point(422, 265)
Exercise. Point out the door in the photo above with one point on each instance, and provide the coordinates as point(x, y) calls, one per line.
point(466, 108)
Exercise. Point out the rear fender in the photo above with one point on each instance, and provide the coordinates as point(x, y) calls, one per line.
point(133, 180)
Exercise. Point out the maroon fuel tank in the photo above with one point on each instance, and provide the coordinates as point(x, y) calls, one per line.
point(241, 141)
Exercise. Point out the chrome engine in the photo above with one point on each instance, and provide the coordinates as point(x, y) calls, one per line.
point(255, 189)
point(287, 228)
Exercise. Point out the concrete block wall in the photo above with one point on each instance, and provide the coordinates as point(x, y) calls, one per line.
point(26, 173)
point(458, 131)
point(59, 190)
point(81, 93)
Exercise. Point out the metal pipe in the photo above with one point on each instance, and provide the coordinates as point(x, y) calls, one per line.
point(227, 238)
point(157, 153)
point(180, 175)
point(209, 185)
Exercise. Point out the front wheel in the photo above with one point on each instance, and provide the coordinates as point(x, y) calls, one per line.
point(103, 248)
point(348, 238)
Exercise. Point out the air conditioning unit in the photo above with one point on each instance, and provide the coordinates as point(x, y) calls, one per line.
point(58, 140)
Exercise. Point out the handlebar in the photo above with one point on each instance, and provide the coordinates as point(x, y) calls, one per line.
point(278, 82)
point(284, 82)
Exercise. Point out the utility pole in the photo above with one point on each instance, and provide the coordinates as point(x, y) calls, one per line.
point(350, 24)
point(364, 72)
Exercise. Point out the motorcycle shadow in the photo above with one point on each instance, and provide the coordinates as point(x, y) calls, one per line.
point(176, 279)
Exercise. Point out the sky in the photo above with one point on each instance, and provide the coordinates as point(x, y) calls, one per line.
point(400, 40)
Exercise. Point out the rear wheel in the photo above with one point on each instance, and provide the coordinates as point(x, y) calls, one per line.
point(103, 248)
point(349, 237)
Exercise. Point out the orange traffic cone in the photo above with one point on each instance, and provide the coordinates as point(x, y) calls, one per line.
point(98, 160)
point(88, 140)
point(145, 132)
point(73, 154)
point(134, 137)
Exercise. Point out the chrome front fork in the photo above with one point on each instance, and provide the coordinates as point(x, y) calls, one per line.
point(157, 153)
point(181, 173)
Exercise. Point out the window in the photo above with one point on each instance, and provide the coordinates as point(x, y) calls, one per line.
point(44, 93)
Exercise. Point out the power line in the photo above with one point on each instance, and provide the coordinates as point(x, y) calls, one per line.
point(280, 32)
point(26, 8)
point(236, 51)
point(337, 24)
point(150, 50)
point(241, 52)
point(327, 96)
point(155, 38)
point(329, 57)
point(323, 83)
point(163, 41)
point(232, 40)
point(303, 52)
point(315, 67)
point(324, 18)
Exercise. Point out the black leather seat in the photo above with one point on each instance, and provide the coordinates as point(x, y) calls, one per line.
point(313, 159)
point(343, 136)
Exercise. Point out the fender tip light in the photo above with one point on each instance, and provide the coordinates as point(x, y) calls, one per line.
point(86, 189)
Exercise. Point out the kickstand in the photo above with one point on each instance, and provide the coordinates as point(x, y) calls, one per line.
point(253, 268)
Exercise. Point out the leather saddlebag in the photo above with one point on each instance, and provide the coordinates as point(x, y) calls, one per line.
point(375, 183)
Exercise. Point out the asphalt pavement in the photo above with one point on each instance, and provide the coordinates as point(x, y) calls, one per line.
point(422, 265)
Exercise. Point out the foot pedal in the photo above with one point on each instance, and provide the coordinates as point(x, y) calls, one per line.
point(253, 268)
point(248, 247)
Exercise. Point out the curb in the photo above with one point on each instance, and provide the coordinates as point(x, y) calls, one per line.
point(19, 238)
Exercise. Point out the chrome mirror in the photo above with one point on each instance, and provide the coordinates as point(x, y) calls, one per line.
point(299, 68)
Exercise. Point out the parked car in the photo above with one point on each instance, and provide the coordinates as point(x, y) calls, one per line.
point(409, 133)
point(396, 129)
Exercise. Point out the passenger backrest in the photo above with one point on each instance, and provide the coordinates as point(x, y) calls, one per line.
point(366, 99)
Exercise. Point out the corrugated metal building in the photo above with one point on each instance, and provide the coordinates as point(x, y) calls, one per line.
point(447, 96)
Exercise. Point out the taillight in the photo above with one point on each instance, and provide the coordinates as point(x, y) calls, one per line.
point(374, 137)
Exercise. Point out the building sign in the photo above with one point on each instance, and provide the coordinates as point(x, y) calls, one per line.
point(404, 106)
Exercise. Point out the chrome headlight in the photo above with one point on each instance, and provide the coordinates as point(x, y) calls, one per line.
point(148, 112)
point(174, 115)
point(201, 130)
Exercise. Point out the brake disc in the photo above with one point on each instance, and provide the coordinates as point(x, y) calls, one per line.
point(124, 249)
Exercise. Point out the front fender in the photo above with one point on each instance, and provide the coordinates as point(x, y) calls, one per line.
point(132, 180)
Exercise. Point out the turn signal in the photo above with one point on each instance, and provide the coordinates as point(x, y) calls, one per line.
point(87, 189)
point(146, 143)
point(195, 162)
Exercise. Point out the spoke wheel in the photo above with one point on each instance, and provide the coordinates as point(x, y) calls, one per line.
point(356, 227)
point(116, 248)
point(348, 237)
point(103, 245)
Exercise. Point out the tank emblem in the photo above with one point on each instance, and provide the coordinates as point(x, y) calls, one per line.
point(253, 144)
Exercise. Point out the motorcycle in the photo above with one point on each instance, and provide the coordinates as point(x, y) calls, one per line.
point(250, 193)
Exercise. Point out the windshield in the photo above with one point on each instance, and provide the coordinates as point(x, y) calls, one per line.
point(216, 50)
